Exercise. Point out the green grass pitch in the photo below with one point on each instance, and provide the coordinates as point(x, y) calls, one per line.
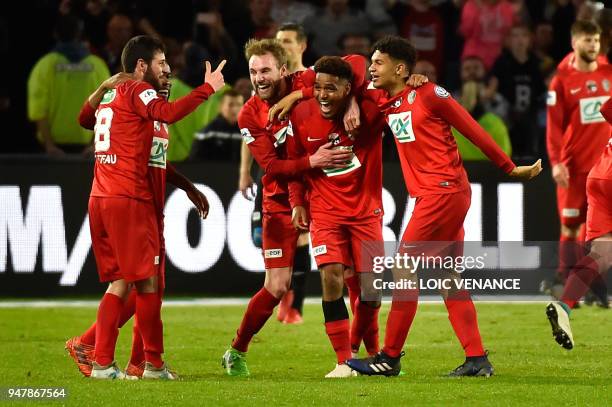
point(288, 363)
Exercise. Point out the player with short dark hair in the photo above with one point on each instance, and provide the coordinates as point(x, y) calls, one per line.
point(345, 204)
point(420, 120)
point(123, 222)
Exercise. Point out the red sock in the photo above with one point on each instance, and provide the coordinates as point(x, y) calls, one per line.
point(257, 313)
point(579, 280)
point(138, 355)
point(399, 321)
point(339, 336)
point(89, 337)
point(107, 329)
point(462, 316)
point(148, 315)
point(569, 254)
point(352, 284)
point(365, 326)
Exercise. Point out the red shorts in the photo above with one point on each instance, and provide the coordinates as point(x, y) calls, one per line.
point(437, 218)
point(279, 239)
point(353, 245)
point(599, 213)
point(572, 201)
point(125, 238)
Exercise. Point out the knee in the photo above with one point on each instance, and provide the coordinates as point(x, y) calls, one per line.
point(571, 232)
point(332, 280)
point(147, 286)
point(278, 285)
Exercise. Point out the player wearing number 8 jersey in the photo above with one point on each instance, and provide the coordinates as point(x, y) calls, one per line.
point(421, 121)
point(123, 219)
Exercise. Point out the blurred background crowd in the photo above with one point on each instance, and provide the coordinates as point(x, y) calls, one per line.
point(495, 56)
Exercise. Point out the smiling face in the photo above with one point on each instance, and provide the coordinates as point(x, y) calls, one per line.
point(332, 94)
point(383, 70)
point(166, 85)
point(156, 70)
point(265, 76)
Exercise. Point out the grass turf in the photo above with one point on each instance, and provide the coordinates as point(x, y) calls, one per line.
point(288, 363)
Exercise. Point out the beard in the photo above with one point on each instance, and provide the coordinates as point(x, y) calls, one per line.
point(586, 57)
point(152, 80)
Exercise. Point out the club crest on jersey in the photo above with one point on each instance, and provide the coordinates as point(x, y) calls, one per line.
point(334, 138)
point(401, 126)
point(246, 136)
point(147, 96)
point(606, 85)
point(397, 103)
point(159, 149)
point(411, 96)
point(441, 92)
point(589, 109)
point(109, 96)
point(591, 86)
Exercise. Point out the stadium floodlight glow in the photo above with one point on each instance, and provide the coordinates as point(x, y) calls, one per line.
point(212, 232)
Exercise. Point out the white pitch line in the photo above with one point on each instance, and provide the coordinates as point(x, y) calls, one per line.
point(235, 301)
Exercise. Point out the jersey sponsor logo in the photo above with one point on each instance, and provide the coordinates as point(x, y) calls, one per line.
point(570, 212)
point(551, 98)
point(147, 96)
point(441, 92)
point(589, 109)
point(412, 96)
point(109, 96)
point(312, 139)
point(574, 91)
point(246, 136)
point(280, 136)
point(319, 250)
point(401, 126)
point(290, 129)
point(350, 166)
point(106, 158)
point(159, 150)
point(273, 253)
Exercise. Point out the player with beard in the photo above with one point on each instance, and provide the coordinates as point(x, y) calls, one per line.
point(265, 136)
point(576, 133)
point(122, 215)
point(420, 120)
point(345, 204)
point(82, 348)
point(598, 234)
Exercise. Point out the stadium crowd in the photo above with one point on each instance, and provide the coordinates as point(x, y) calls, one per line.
point(496, 57)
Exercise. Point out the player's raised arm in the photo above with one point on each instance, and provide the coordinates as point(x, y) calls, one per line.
point(159, 109)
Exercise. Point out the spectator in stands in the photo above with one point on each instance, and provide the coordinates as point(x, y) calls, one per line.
point(118, 32)
point(471, 100)
point(516, 75)
point(284, 11)
point(419, 22)
point(221, 138)
point(210, 33)
point(186, 63)
point(424, 67)
point(473, 71)
point(293, 39)
point(355, 44)
point(484, 25)
point(327, 26)
point(58, 84)
point(379, 15)
point(542, 47)
point(264, 25)
point(244, 87)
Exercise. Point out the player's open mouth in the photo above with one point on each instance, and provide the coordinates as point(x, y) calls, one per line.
point(263, 88)
point(326, 107)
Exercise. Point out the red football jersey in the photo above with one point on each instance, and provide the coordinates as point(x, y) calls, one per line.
point(576, 132)
point(352, 194)
point(603, 168)
point(266, 141)
point(420, 120)
point(124, 136)
point(567, 63)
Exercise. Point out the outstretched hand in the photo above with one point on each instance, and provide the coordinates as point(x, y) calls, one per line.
point(214, 78)
point(527, 172)
point(284, 105)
